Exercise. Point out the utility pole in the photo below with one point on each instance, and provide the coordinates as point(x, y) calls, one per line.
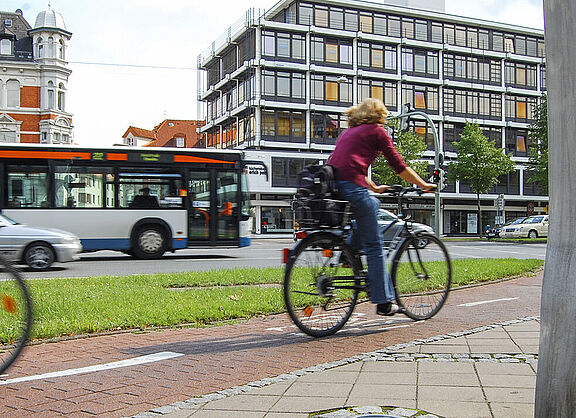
point(556, 379)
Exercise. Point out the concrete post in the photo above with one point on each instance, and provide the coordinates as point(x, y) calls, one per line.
point(556, 380)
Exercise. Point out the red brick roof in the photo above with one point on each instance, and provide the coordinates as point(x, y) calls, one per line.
point(165, 134)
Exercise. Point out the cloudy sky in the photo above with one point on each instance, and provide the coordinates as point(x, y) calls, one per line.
point(134, 61)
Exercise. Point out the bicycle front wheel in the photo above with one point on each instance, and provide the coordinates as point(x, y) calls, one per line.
point(15, 314)
point(321, 284)
point(422, 275)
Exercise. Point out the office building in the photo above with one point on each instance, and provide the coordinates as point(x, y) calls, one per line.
point(276, 85)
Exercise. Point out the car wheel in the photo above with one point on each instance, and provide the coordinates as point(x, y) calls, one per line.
point(39, 256)
point(149, 242)
point(532, 234)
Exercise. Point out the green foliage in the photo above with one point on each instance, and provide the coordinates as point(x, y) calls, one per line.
point(538, 152)
point(479, 162)
point(411, 148)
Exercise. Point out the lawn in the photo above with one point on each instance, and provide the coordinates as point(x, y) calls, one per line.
point(90, 305)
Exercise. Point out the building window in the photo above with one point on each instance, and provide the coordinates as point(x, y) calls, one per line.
point(466, 68)
point(520, 109)
point(61, 50)
point(5, 47)
point(421, 97)
point(285, 171)
point(520, 75)
point(470, 103)
point(377, 57)
point(333, 51)
point(61, 97)
point(327, 89)
point(285, 126)
point(180, 142)
point(13, 93)
point(283, 46)
point(327, 127)
point(421, 63)
point(279, 85)
point(517, 142)
point(378, 89)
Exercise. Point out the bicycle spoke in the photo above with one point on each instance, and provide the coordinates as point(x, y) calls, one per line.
point(422, 277)
point(320, 293)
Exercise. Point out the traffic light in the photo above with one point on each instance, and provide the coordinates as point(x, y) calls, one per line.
point(438, 177)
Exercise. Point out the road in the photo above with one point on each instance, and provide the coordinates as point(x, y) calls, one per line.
point(265, 252)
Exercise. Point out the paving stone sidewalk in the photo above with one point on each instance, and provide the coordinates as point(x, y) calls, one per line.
point(483, 372)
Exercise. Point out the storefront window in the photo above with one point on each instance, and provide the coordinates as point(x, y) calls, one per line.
point(277, 220)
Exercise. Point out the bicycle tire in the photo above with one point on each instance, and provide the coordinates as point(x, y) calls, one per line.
point(15, 314)
point(321, 284)
point(422, 276)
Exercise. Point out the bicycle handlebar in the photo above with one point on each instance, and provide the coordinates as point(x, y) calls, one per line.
point(399, 190)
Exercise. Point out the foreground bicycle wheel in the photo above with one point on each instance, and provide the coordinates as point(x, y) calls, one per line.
point(321, 284)
point(422, 275)
point(15, 314)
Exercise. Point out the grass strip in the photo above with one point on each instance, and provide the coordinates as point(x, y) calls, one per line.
point(76, 306)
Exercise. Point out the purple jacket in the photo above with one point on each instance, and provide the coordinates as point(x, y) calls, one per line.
point(358, 147)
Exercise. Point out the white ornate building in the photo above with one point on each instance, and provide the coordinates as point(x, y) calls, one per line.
point(33, 79)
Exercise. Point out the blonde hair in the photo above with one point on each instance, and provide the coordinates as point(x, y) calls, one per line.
point(369, 111)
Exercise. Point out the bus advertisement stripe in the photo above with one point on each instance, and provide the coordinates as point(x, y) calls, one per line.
point(191, 159)
point(56, 155)
point(111, 156)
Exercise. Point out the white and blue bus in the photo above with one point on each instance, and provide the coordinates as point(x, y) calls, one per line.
point(142, 201)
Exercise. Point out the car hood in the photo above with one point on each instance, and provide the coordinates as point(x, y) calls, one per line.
point(25, 230)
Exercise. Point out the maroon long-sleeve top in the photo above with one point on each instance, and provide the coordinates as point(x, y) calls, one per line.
point(358, 147)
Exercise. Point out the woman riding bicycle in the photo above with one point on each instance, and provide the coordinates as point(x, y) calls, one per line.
point(356, 149)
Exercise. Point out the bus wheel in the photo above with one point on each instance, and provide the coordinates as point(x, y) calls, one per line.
point(149, 242)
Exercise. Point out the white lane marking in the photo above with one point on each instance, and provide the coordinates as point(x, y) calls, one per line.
point(499, 250)
point(486, 301)
point(150, 358)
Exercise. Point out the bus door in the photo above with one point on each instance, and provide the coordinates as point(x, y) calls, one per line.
point(213, 214)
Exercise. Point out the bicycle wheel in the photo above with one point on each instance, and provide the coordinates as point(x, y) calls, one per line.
point(15, 314)
point(321, 284)
point(422, 275)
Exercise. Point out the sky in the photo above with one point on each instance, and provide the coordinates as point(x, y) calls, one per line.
point(133, 62)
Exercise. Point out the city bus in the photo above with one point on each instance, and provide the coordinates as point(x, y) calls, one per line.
point(141, 201)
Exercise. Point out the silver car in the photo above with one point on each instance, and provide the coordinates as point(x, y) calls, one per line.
point(36, 247)
point(390, 226)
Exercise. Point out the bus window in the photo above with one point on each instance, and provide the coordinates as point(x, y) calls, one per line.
point(27, 187)
point(81, 187)
point(152, 189)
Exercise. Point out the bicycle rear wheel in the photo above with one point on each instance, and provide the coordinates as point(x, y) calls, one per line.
point(15, 314)
point(321, 284)
point(422, 275)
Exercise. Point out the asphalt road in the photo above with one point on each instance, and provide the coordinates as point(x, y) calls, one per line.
point(264, 252)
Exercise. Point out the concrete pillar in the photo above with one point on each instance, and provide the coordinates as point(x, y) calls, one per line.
point(556, 380)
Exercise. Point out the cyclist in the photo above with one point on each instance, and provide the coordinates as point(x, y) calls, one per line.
point(356, 149)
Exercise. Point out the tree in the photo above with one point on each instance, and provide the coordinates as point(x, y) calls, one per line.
point(411, 148)
point(538, 152)
point(556, 378)
point(479, 163)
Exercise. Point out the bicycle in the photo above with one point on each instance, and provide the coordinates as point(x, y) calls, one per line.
point(15, 314)
point(325, 276)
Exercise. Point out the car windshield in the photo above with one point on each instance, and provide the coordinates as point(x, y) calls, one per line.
point(5, 219)
point(534, 220)
point(515, 221)
point(384, 215)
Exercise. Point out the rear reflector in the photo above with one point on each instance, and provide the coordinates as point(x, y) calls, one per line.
point(285, 255)
point(301, 234)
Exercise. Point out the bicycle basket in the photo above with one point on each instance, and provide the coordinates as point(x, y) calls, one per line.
point(315, 213)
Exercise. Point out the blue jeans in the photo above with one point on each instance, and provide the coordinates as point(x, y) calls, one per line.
point(365, 211)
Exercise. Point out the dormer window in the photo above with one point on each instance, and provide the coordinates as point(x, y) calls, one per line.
point(8, 23)
point(5, 47)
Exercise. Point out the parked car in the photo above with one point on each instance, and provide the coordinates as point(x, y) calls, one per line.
point(530, 227)
point(37, 247)
point(496, 232)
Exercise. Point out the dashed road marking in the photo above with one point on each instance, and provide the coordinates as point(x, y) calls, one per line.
point(136, 361)
point(483, 302)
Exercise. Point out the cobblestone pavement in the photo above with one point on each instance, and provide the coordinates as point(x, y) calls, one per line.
point(201, 361)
